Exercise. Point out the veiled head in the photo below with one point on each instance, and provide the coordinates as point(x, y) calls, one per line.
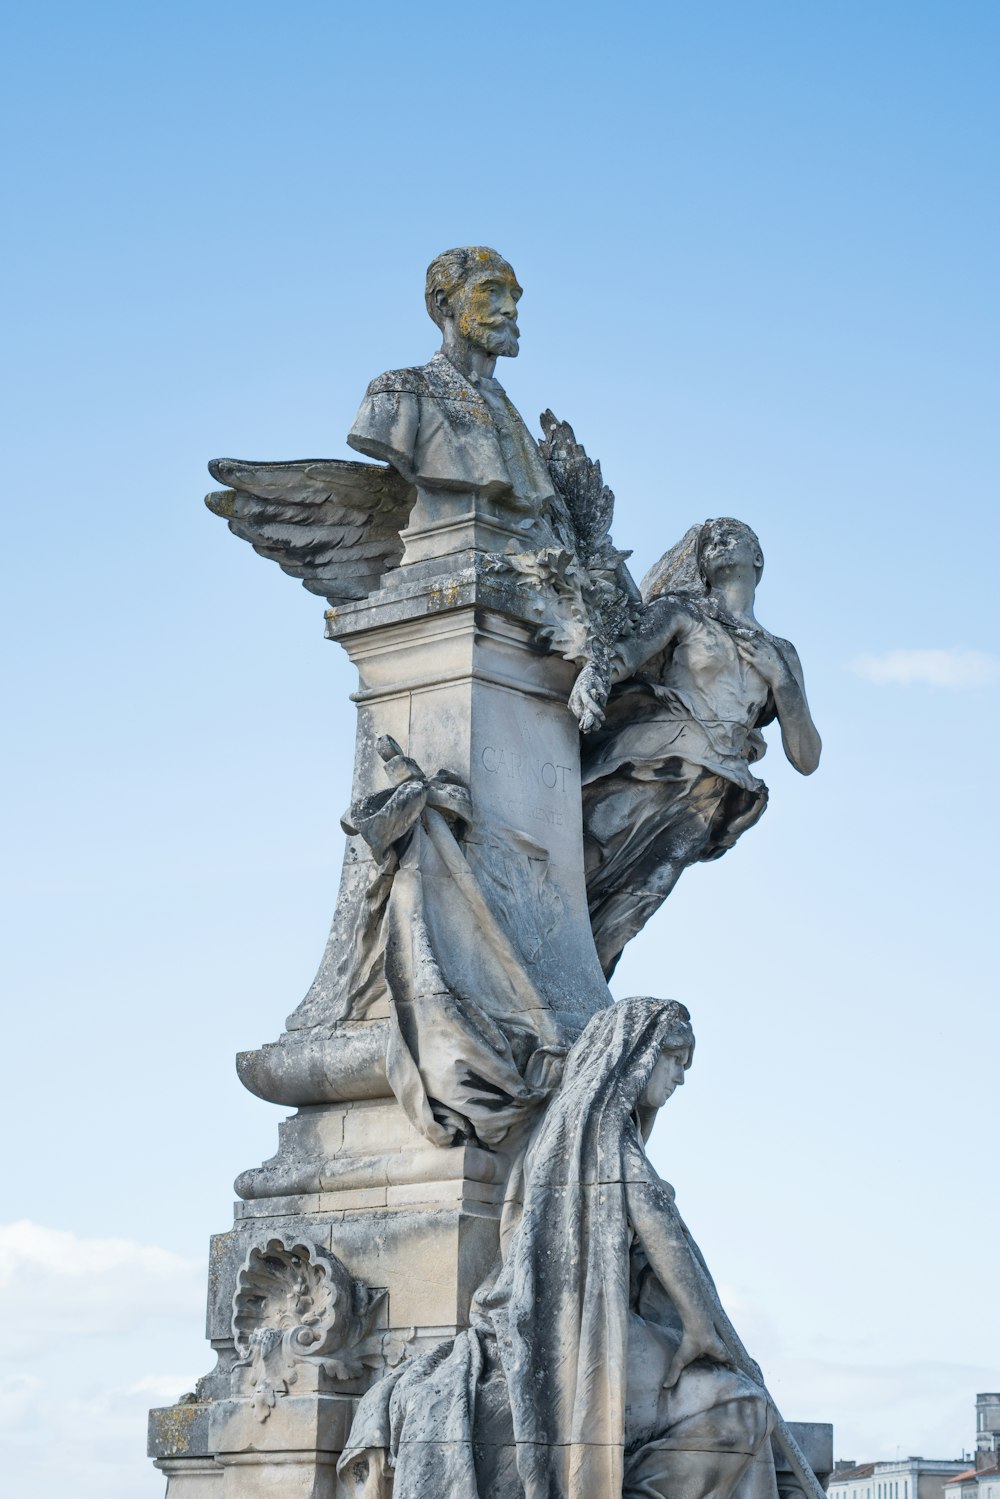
point(621, 1046)
point(475, 289)
point(601, 1093)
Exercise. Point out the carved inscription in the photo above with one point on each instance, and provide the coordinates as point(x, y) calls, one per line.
point(546, 815)
point(525, 768)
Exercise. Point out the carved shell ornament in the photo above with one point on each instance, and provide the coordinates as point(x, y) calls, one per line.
point(297, 1304)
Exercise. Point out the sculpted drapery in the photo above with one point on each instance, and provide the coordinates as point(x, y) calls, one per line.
point(471, 1042)
point(673, 728)
point(556, 1391)
point(460, 987)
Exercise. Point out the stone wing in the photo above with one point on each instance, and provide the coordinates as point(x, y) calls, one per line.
point(580, 482)
point(333, 524)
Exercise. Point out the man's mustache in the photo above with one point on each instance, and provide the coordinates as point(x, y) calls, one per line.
point(507, 324)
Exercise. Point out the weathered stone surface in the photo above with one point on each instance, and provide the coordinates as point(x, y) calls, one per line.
point(278, 1475)
point(301, 1320)
point(315, 1067)
point(180, 1432)
point(666, 766)
point(191, 1477)
point(598, 1359)
point(467, 692)
point(460, 1210)
point(815, 1441)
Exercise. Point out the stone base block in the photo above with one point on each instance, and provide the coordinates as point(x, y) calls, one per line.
point(191, 1477)
point(279, 1475)
point(815, 1438)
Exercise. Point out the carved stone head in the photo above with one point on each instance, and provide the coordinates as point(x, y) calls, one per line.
point(726, 543)
point(475, 291)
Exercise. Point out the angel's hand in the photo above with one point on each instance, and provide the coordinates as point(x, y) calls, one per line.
point(765, 658)
point(699, 1342)
point(586, 701)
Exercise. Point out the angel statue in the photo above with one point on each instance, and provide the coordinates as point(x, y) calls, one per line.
point(457, 470)
point(599, 1360)
point(673, 726)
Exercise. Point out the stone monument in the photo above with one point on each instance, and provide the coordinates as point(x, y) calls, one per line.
point(459, 1275)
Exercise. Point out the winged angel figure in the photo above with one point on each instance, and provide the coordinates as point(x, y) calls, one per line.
point(673, 728)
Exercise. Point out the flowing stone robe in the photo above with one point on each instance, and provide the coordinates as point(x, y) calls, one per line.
point(667, 780)
point(472, 1046)
point(553, 1392)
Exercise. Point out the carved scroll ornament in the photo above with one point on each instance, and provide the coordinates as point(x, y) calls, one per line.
point(297, 1307)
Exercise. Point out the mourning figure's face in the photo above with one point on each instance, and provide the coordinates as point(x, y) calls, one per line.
point(726, 546)
point(667, 1075)
point(485, 310)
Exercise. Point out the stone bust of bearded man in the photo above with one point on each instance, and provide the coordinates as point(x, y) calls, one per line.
point(449, 428)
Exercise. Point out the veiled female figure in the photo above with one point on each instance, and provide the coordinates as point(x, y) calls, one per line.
point(593, 1366)
point(666, 762)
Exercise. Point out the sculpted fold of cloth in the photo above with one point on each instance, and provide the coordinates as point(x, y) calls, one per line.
point(472, 1046)
point(594, 1365)
point(666, 763)
point(444, 429)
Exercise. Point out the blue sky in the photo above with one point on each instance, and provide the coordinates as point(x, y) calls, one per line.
point(759, 245)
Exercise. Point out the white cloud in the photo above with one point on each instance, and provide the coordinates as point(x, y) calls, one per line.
point(59, 1252)
point(75, 1432)
point(89, 1330)
point(929, 668)
point(59, 1285)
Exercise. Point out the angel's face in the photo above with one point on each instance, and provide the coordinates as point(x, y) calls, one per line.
point(485, 311)
point(728, 548)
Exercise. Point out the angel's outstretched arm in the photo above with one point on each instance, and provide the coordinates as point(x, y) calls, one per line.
point(662, 623)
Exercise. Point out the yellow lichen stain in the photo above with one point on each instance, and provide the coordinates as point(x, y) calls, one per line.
point(474, 304)
point(173, 1428)
point(442, 598)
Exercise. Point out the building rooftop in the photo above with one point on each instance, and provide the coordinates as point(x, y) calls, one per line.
point(853, 1472)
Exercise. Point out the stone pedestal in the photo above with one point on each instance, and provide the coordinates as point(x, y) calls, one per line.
point(419, 1224)
point(455, 670)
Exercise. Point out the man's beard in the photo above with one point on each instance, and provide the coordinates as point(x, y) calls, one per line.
point(499, 338)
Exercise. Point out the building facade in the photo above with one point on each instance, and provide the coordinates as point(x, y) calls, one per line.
point(905, 1478)
point(930, 1478)
point(982, 1481)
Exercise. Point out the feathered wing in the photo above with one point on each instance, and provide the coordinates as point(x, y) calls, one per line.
point(580, 482)
point(333, 524)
